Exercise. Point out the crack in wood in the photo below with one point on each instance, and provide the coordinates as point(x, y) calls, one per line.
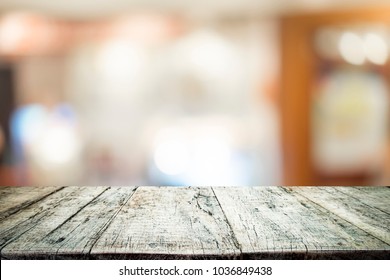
point(198, 222)
point(234, 239)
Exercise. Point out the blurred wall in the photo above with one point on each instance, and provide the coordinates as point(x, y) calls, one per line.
point(136, 85)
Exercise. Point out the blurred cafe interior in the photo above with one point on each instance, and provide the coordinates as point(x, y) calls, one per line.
point(169, 92)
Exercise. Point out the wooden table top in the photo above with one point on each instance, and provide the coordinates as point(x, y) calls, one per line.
point(195, 222)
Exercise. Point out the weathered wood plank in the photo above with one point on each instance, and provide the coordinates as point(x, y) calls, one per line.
point(38, 220)
point(75, 237)
point(12, 199)
point(162, 222)
point(277, 222)
point(366, 217)
point(378, 197)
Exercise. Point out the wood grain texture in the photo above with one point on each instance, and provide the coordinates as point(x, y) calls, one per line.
point(76, 236)
point(377, 197)
point(39, 219)
point(168, 222)
point(274, 220)
point(366, 217)
point(195, 223)
point(13, 199)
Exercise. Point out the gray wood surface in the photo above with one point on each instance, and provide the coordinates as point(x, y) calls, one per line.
point(378, 197)
point(289, 223)
point(39, 219)
point(360, 212)
point(194, 222)
point(12, 199)
point(76, 235)
point(169, 221)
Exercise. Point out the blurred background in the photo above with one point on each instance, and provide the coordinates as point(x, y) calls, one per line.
point(168, 92)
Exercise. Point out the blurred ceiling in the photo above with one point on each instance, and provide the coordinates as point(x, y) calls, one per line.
point(92, 9)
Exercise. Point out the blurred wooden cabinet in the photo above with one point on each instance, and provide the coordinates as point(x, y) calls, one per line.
point(335, 81)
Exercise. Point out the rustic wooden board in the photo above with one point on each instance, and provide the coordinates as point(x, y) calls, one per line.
point(274, 220)
point(366, 217)
point(39, 219)
point(76, 236)
point(377, 197)
point(12, 199)
point(177, 222)
point(164, 222)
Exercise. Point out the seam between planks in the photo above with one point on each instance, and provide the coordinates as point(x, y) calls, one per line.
point(2, 246)
point(33, 226)
point(371, 206)
point(78, 211)
point(107, 224)
point(24, 205)
point(235, 240)
point(349, 222)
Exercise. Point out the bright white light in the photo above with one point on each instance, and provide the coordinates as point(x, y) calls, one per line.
point(211, 153)
point(211, 163)
point(208, 55)
point(58, 145)
point(351, 48)
point(376, 49)
point(120, 62)
point(171, 157)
